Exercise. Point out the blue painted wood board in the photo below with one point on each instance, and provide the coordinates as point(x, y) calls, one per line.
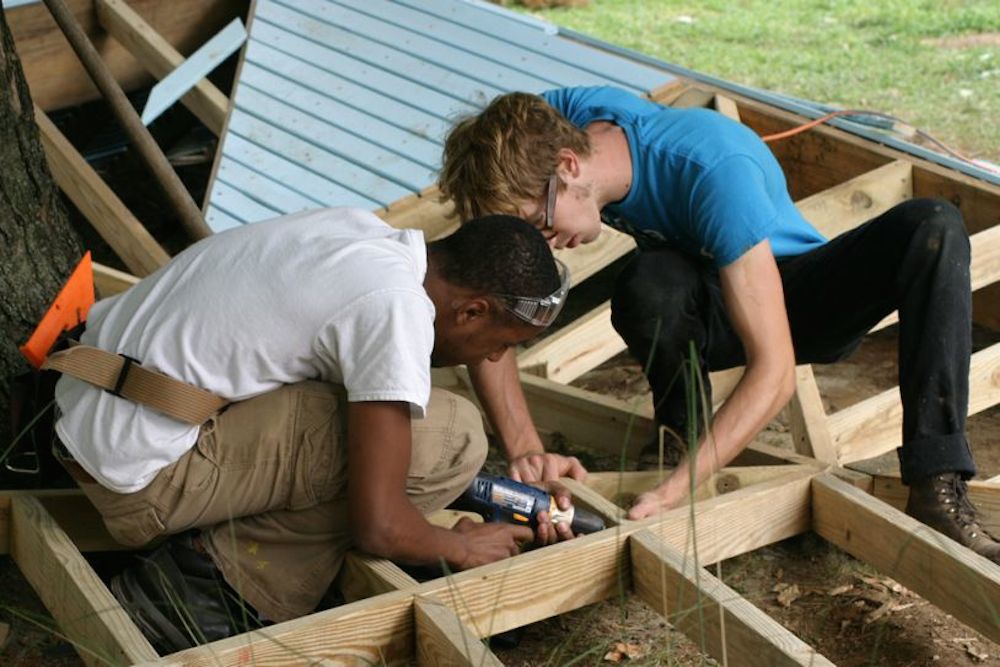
point(346, 102)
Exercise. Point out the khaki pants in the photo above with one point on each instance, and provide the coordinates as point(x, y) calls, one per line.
point(267, 483)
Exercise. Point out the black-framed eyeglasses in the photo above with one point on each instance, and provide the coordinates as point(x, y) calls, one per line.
point(540, 311)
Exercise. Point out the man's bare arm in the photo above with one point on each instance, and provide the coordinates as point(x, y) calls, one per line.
point(754, 298)
point(383, 520)
point(498, 386)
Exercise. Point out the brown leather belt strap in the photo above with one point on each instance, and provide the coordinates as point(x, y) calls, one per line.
point(125, 377)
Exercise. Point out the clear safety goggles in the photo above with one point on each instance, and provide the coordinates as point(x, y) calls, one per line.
point(540, 311)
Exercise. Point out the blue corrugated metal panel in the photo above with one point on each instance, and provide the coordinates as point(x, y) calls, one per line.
point(346, 102)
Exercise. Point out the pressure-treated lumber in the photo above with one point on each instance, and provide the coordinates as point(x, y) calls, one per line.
point(726, 106)
point(157, 55)
point(845, 206)
point(588, 498)
point(874, 426)
point(586, 260)
point(583, 345)
point(442, 638)
point(711, 614)
point(807, 418)
point(109, 216)
point(984, 495)
point(376, 631)
point(952, 577)
point(611, 485)
point(110, 281)
point(504, 595)
point(86, 612)
point(596, 422)
point(363, 576)
point(72, 512)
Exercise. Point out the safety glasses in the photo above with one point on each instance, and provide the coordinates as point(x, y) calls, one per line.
point(551, 191)
point(540, 312)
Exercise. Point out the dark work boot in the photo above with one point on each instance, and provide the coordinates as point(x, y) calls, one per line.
point(942, 502)
point(178, 598)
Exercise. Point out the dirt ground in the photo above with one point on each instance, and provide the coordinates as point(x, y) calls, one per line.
point(848, 612)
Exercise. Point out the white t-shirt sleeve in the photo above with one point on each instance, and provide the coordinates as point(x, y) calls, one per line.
point(382, 343)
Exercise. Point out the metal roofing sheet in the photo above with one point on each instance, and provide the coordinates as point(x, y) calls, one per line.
point(346, 102)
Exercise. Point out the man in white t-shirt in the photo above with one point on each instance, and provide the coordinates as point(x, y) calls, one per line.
point(321, 328)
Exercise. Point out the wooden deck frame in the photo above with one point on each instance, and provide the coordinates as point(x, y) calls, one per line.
point(395, 619)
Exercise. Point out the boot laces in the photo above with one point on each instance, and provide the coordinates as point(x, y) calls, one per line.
point(953, 492)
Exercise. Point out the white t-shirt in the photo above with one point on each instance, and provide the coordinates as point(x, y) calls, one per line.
point(332, 295)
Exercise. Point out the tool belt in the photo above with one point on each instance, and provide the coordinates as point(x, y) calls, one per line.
point(125, 377)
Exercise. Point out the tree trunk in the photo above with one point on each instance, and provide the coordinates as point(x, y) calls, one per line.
point(40, 248)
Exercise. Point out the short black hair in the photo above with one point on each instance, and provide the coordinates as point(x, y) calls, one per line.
point(497, 254)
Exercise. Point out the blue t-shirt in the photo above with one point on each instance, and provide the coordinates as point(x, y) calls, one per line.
point(701, 182)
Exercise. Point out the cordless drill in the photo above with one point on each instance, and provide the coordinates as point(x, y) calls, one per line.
point(498, 498)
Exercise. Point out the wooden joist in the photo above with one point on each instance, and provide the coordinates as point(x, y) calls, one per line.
point(950, 576)
point(109, 216)
point(714, 616)
point(87, 614)
point(110, 281)
point(442, 638)
point(376, 631)
point(593, 421)
point(593, 567)
point(874, 426)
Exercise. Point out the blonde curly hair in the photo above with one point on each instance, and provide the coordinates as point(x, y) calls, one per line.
point(505, 155)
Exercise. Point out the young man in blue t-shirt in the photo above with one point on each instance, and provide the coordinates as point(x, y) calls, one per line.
point(726, 262)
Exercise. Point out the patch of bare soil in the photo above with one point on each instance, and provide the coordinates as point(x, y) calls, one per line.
point(965, 41)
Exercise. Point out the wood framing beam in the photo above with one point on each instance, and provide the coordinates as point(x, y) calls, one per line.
point(87, 614)
point(984, 495)
point(952, 577)
point(808, 422)
point(874, 426)
point(72, 512)
point(612, 485)
point(423, 211)
point(586, 260)
point(588, 498)
point(377, 631)
point(712, 615)
point(110, 281)
point(364, 576)
point(726, 106)
point(442, 638)
point(845, 206)
point(504, 595)
point(157, 55)
point(586, 419)
point(579, 347)
point(109, 216)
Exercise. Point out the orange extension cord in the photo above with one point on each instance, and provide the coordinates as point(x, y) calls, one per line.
point(898, 124)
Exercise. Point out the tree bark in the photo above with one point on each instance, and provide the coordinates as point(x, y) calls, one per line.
point(40, 247)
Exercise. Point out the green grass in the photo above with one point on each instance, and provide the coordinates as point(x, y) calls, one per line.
point(904, 57)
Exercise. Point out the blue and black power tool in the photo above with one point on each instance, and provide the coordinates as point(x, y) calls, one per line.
point(497, 498)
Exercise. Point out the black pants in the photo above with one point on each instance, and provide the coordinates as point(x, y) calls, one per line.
point(914, 258)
